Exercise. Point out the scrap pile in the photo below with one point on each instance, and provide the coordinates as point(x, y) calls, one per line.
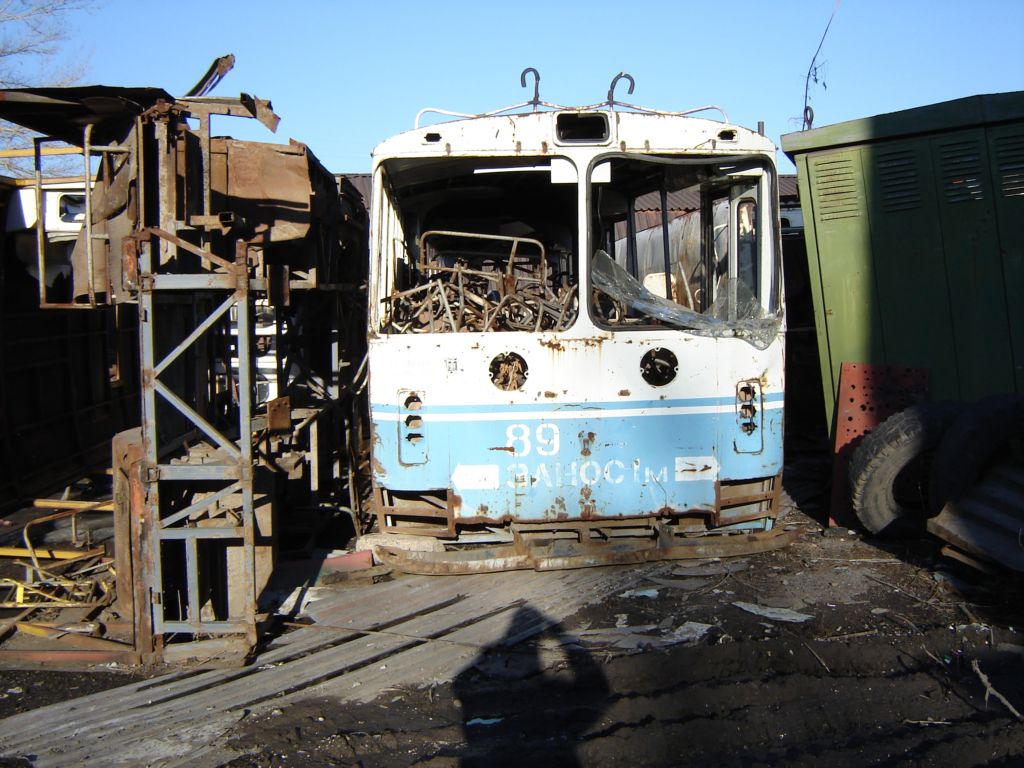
point(58, 592)
point(80, 576)
point(476, 289)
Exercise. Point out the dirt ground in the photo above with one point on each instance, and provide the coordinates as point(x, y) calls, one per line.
point(882, 673)
point(842, 652)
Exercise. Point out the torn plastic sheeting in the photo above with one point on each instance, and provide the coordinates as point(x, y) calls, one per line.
point(751, 324)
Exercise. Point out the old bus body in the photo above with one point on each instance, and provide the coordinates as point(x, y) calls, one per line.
point(576, 335)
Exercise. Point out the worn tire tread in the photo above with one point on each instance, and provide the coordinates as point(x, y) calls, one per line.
point(885, 452)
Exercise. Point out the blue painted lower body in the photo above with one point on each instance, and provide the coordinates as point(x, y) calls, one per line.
point(573, 463)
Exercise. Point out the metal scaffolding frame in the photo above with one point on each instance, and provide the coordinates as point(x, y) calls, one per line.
point(211, 237)
point(169, 529)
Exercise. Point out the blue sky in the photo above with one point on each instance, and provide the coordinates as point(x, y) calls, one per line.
point(343, 76)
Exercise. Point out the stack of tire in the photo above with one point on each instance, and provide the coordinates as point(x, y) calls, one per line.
point(945, 446)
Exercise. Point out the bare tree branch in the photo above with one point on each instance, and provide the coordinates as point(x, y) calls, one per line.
point(33, 52)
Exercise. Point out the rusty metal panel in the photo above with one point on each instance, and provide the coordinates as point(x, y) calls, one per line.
point(567, 554)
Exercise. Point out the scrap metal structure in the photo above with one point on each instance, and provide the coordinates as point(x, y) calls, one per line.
point(245, 263)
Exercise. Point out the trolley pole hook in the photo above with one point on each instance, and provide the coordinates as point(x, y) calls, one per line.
point(536, 85)
point(615, 81)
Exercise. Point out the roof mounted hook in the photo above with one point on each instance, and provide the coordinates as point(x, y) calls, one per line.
point(536, 85)
point(615, 81)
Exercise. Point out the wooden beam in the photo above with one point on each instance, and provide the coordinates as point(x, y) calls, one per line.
point(90, 506)
point(43, 151)
point(50, 554)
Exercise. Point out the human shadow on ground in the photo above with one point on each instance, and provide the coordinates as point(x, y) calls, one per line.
point(529, 701)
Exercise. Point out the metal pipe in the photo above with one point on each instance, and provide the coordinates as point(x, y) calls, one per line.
point(40, 228)
point(665, 242)
point(630, 239)
point(87, 173)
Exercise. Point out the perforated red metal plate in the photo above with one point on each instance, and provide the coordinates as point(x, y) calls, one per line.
point(868, 395)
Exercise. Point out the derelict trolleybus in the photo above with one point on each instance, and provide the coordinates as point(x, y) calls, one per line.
point(576, 338)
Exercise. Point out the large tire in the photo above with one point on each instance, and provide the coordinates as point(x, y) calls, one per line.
point(971, 444)
point(885, 453)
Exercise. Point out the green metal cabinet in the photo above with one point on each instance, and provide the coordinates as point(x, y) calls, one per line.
point(914, 223)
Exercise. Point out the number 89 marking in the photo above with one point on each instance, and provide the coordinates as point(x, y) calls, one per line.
point(546, 438)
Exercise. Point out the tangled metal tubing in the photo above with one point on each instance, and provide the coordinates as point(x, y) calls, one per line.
point(460, 299)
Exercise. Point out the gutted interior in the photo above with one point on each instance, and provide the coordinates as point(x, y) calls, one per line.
point(478, 244)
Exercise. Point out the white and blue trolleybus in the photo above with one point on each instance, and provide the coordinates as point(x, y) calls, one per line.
point(576, 339)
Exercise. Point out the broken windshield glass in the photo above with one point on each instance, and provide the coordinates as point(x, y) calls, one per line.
point(735, 311)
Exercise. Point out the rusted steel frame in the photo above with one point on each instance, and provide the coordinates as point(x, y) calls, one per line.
point(40, 226)
point(490, 317)
point(478, 236)
point(246, 329)
point(565, 555)
point(38, 153)
point(771, 495)
point(461, 286)
point(200, 505)
point(140, 541)
point(247, 106)
point(144, 489)
point(192, 608)
point(185, 410)
point(200, 329)
point(565, 302)
point(445, 514)
point(211, 627)
point(187, 246)
point(448, 309)
point(89, 251)
point(72, 513)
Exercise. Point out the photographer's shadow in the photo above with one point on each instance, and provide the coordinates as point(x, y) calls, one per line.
point(530, 701)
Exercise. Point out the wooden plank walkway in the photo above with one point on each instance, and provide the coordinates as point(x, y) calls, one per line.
point(365, 639)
